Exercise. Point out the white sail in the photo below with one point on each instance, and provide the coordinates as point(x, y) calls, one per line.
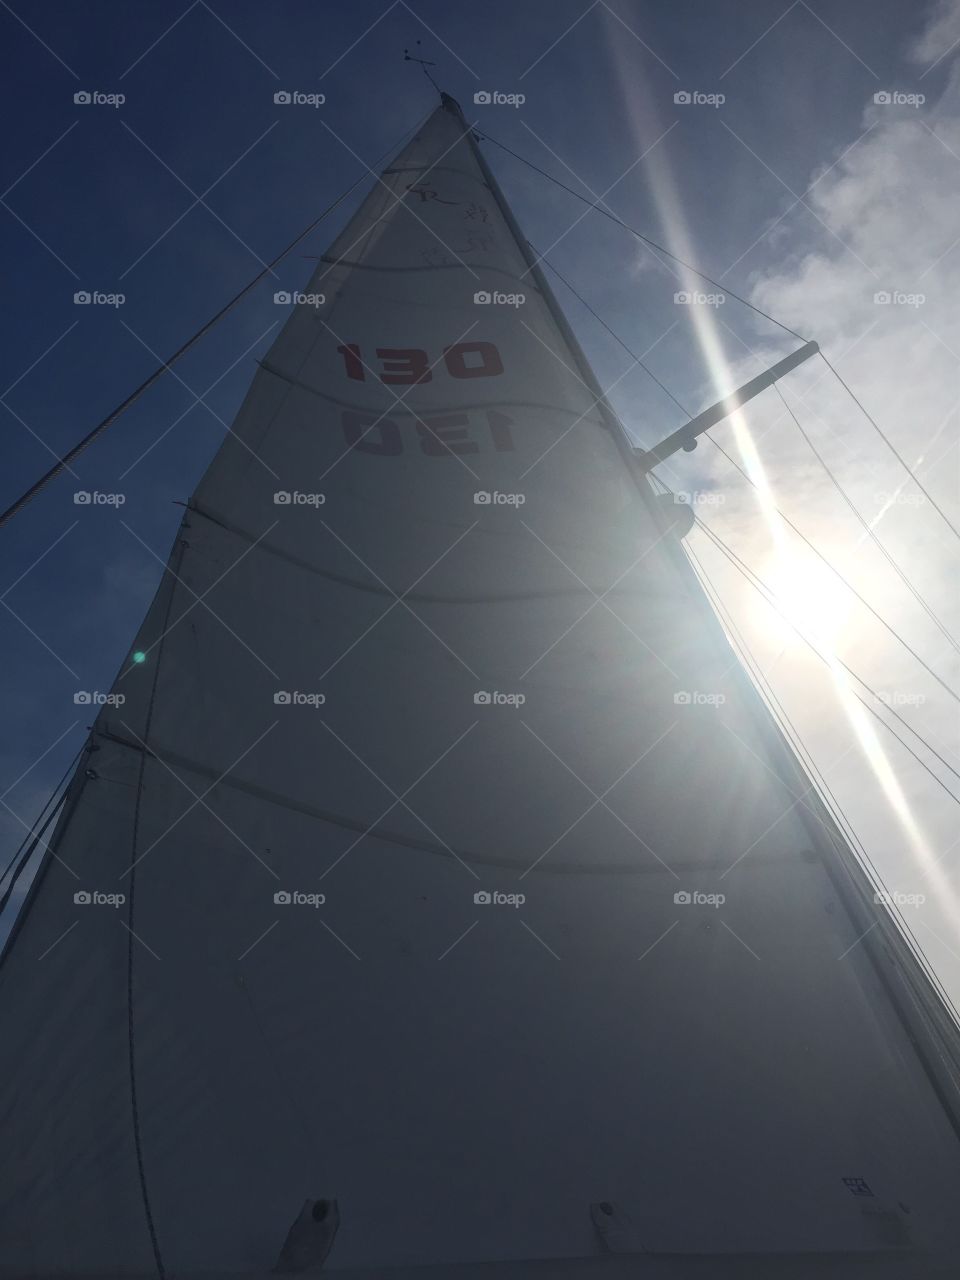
point(506, 742)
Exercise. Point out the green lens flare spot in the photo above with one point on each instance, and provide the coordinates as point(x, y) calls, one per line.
point(139, 657)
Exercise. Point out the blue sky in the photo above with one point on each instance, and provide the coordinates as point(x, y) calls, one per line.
point(105, 198)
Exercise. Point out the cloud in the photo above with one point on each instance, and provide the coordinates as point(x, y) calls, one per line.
point(876, 282)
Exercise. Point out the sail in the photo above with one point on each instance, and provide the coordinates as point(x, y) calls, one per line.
point(440, 860)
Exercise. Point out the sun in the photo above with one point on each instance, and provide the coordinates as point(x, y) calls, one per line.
point(811, 598)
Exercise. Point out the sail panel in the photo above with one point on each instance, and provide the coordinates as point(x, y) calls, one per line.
point(471, 883)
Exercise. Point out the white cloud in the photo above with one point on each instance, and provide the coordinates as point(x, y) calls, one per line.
point(888, 208)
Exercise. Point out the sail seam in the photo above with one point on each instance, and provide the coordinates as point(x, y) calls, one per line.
point(389, 836)
point(260, 544)
point(439, 266)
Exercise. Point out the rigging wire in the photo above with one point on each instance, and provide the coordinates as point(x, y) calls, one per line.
point(866, 604)
point(886, 440)
point(833, 806)
point(913, 653)
point(33, 833)
point(593, 204)
point(599, 208)
point(64, 461)
point(871, 533)
point(770, 596)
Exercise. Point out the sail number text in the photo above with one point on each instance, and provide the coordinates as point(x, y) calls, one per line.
point(405, 366)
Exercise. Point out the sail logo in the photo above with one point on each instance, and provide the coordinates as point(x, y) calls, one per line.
point(94, 898)
point(295, 898)
point(94, 498)
point(694, 98)
point(495, 699)
point(494, 498)
point(897, 298)
point(694, 698)
point(484, 298)
point(494, 98)
point(294, 498)
point(286, 298)
point(696, 898)
point(284, 698)
point(94, 698)
point(294, 98)
point(94, 98)
point(86, 298)
point(695, 298)
point(898, 899)
point(494, 898)
point(894, 98)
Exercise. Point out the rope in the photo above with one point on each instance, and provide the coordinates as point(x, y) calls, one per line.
point(63, 462)
point(593, 204)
